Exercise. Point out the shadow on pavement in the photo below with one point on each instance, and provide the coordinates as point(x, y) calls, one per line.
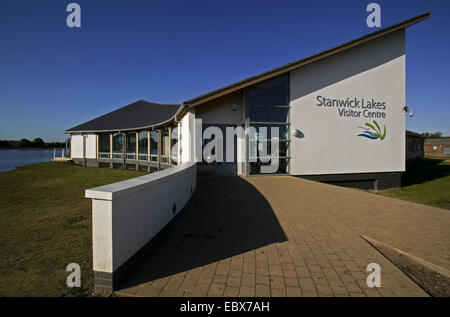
point(226, 216)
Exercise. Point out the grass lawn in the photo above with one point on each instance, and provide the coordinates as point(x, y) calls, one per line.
point(426, 182)
point(45, 224)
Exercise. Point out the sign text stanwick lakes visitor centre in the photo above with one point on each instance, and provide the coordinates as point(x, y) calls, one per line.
point(355, 107)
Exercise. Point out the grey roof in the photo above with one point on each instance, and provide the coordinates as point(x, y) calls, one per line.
point(414, 134)
point(138, 115)
point(445, 140)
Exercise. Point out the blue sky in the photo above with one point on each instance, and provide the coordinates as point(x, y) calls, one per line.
point(53, 77)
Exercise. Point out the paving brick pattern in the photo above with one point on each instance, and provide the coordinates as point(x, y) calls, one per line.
point(285, 236)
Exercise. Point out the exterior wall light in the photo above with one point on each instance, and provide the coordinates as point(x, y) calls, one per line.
point(296, 133)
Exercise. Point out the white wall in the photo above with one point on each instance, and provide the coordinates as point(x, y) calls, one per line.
point(76, 146)
point(91, 146)
point(128, 214)
point(220, 110)
point(329, 144)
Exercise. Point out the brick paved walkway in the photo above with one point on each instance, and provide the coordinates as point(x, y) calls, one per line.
point(285, 236)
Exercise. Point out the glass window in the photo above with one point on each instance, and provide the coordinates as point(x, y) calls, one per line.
point(258, 97)
point(143, 142)
point(277, 83)
point(264, 148)
point(262, 130)
point(131, 142)
point(268, 102)
point(103, 142)
point(268, 114)
point(154, 142)
point(118, 143)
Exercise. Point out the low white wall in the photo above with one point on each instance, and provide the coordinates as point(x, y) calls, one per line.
point(128, 214)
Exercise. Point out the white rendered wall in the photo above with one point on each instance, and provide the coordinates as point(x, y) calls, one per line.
point(329, 143)
point(128, 214)
point(91, 146)
point(76, 146)
point(228, 110)
point(224, 110)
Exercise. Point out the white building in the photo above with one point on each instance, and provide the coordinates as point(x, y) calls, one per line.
point(340, 116)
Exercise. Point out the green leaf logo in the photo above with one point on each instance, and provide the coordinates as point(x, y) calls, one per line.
point(373, 131)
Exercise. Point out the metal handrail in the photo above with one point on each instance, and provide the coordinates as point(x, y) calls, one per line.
point(142, 157)
point(104, 155)
point(131, 156)
point(117, 155)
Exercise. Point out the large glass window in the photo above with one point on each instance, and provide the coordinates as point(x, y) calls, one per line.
point(277, 83)
point(143, 146)
point(268, 131)
point(154, 146)
point(165, 146)
point(268, 113)
point(268, 107)
point(259, 97)
point(131, 146)
point(103, 145)
point(118, 146)
point(174, 150)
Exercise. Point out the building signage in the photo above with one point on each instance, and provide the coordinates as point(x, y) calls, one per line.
point(373, 131)
point(355, 107)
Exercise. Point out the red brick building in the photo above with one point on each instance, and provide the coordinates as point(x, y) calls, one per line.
point(437, 146)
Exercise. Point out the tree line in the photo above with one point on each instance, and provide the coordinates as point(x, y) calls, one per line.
point(435, 135)
point(25, 143)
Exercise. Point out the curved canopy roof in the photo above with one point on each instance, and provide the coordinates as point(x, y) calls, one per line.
point(138, 115)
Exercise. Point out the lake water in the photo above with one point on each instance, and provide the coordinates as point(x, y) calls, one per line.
point(10, 159)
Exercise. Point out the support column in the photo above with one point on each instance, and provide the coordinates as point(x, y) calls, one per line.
point(110, 150)
point(179, 144)
point(246, 166)
point(148, 150)
point(148, 145)
point(84, 149)
point(96, 143)
point(159, 149)
point(137, 151)
point(124, 147)
point(169, 159)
